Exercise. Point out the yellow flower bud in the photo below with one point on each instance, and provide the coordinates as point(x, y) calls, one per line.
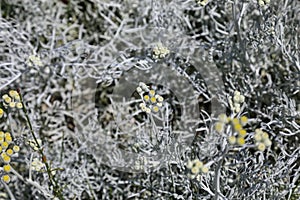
point(12, 104)
point(261, 146)
point(152, 92)
point(219, 127)
point(268, 142)
point(16, 148)
point(244, 120)
point(204, 169)
point(195, 170)
point(198, 163)
point(6, 98)
point(155, 108)
point(13, 93)
point(8, 139)
point(240, 141)
point(160, 98)
point(231, 140)
point(1, 112)
point(235, 121)
point(148, 110)
point(19, 105)
point(265, 136)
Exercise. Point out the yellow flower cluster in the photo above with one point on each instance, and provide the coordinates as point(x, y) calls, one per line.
point(202, 2)
point(33, 144)
point(196, 166)
point(263, 2)
point(151, 100)
point(238, 128)
point(262, 140)
point(37, 165)
point(237, 124)
point(34, 60)
point(12, 100)
point(160, 51)
point(7, 149)
point(236, 101)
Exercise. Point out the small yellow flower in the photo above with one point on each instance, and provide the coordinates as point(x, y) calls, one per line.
point(204, 169)
point(195, 170)
point(34, 60)
point(219, 127)
point(236, 98)
point(232, 140)
point(160, 51)
point(244, 120)
point(33, 144)
point(190, 164)
point(13, 93)
point(238, 127)
point(198, 163)
point(12, 104)
point(261, 3)
point(242, 133)
point(1, 112)
point(1, 134)
point(155, 108)
point(19, 105)
point(4, 145)
point(7, 168)
point(142, 105)
point(146, 97)
point(6, 98)
point(152, 92)
point(240, 141)
point(9, 152)
point(6, 159)
point(235, 121)
point(264, 136)
point(6, 178)
point(1, 139)
point(153, 99)
point(160, 98)
point(8, 139)
point(261, 146)
point(268, 142)
point(16, 148)
point(36, 165)
point(148, 110)
point(7, 134)
point(3, 154)
point(159, 104)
